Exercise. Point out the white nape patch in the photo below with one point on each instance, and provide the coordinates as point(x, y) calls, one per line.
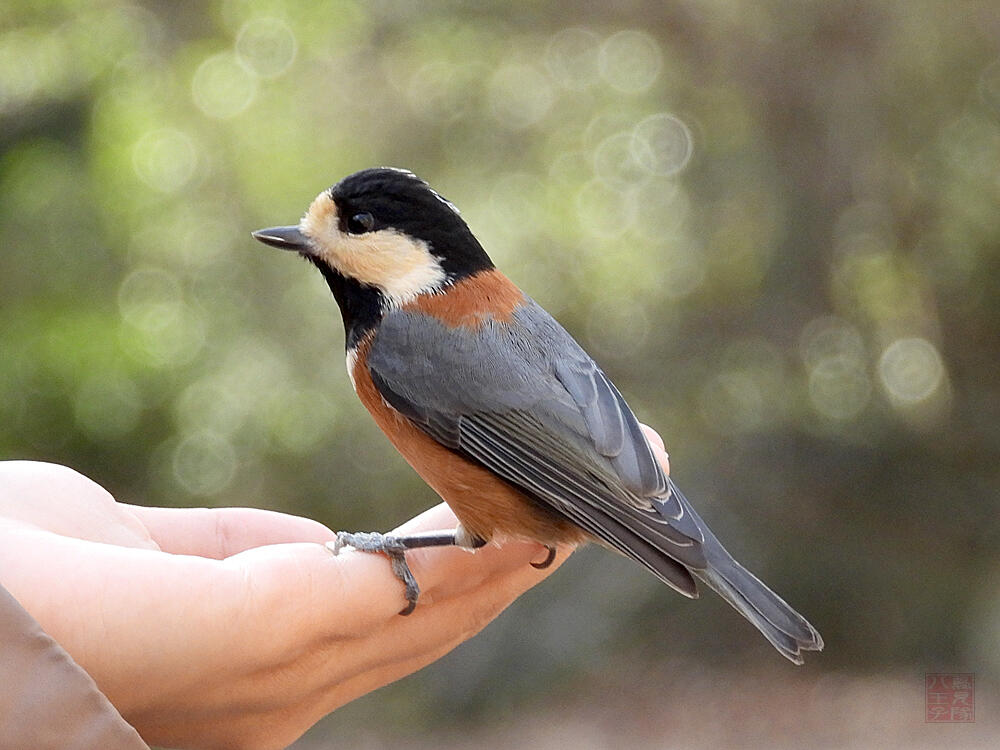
point(400, 266)
point(352, 360)
point(444, 200)
point(433, 192)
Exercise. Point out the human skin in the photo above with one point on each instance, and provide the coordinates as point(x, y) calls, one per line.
point(235, 627)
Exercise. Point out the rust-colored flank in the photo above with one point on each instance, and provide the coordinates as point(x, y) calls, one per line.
point(485, 504)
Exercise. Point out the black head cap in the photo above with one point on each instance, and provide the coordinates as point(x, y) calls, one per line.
point(399, 200)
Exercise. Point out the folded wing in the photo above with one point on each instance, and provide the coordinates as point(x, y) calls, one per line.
point(525, 401)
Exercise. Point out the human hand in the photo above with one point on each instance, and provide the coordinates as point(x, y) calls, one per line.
point(656, 443)
point(233, 627)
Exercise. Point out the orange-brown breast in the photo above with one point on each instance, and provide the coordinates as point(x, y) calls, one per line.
point(485, 504)
point(468, 302)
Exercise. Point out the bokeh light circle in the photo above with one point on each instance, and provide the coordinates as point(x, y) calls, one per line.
point(615, 162)
point(149, 298)
point(662, 144)
point(630, 61)
point(222, 87)
point(829, 337)
point(911, 369)
point(838, 388)
point(165, 159)
point(571, 58)
point(162, 329)
point(204, 463)
point(266, 46)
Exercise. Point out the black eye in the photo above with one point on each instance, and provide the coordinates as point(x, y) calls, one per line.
point(361, 223)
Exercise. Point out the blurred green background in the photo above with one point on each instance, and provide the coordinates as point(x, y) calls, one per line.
point(776, 224)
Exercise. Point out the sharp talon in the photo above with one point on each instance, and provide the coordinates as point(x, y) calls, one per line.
point(408, 609)
point(547, 561)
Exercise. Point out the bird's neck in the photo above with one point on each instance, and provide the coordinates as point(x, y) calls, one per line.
point(361, 306)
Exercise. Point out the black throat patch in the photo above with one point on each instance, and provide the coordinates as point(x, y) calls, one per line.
point(361, 306)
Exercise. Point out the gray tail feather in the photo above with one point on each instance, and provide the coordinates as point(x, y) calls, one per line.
point(786, 629)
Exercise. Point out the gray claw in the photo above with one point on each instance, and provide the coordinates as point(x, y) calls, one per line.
point(403, 573)
point(391, 546)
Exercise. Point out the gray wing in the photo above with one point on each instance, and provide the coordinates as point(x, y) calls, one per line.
point(525, 401)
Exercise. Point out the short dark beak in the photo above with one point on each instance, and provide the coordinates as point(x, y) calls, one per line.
point(283, 238)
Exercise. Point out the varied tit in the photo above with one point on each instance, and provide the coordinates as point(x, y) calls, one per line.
point(495, 405)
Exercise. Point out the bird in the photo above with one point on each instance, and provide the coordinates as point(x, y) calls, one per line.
point(496, 406)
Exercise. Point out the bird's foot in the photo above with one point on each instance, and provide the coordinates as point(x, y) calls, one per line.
point(395, 546)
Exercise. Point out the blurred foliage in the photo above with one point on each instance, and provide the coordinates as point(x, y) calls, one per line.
point(775, 223)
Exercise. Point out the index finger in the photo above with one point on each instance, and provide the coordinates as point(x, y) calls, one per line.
point(222, 532)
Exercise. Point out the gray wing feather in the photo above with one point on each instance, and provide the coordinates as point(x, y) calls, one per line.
point(613, 428)
point(527, 402)
point(575, 502)
point(588, 486)
point(597, 403)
